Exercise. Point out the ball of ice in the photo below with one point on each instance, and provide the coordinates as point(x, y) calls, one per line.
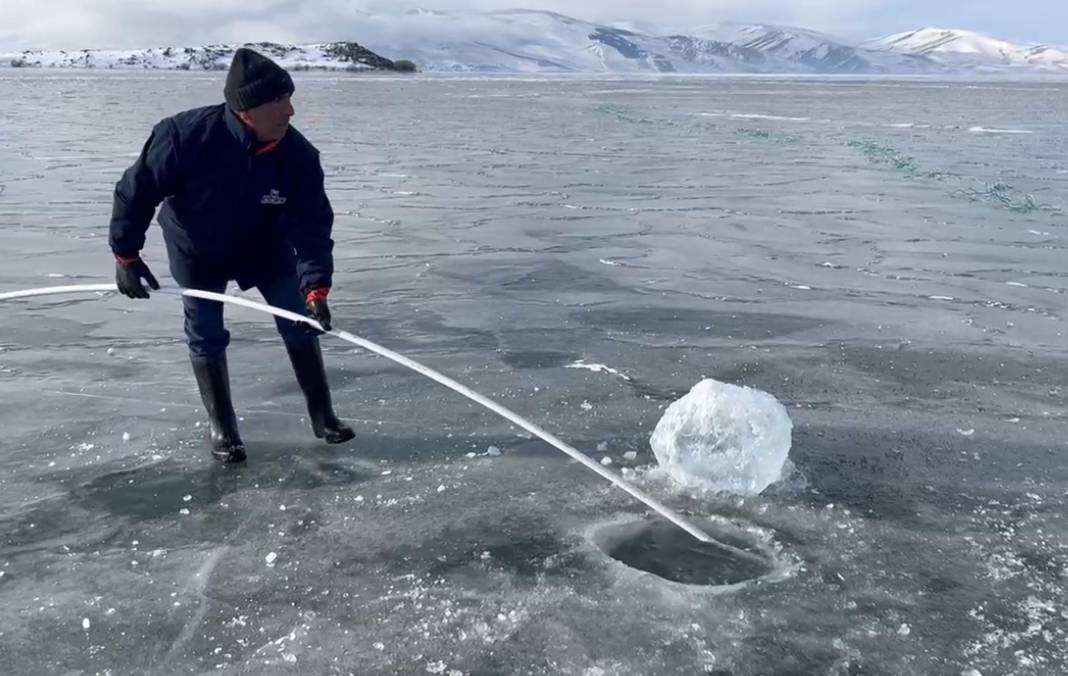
point(724, 438)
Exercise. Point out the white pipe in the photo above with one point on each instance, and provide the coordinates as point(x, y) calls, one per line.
point(509, 415)
point(54, 290)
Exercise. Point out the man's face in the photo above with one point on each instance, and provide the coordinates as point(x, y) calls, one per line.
point(269, 121)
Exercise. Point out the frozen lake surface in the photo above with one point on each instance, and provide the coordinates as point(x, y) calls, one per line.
point(886, 258)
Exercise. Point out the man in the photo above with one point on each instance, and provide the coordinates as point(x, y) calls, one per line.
point(243, 200)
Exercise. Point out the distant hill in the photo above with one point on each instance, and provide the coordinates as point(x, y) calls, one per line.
point(966, 49)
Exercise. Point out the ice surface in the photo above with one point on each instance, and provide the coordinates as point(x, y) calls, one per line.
point(484, 275)
point(724, 438)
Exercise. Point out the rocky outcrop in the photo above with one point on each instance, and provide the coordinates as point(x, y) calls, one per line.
point(326, 56)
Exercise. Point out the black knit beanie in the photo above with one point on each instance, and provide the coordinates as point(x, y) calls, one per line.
point(254, 80)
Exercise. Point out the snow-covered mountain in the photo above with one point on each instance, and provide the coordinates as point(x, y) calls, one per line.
point(540, 41)
point(328, 56)
point(788, 49)
point(534, 41)
point(966, 49)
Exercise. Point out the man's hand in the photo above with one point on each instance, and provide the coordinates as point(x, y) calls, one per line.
point(318, 310)
point(128, 275)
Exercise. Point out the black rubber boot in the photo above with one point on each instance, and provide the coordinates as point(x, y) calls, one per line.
point(213, 379)
point(308, 365)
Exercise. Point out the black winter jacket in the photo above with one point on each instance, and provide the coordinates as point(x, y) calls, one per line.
point(228, 211)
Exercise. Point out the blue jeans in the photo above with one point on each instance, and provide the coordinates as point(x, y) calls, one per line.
point(207, 335)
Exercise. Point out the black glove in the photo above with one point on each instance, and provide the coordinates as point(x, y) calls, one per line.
point(128, 275)
point(318, 309)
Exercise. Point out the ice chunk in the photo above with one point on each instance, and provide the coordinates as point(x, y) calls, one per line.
point(85, 624)
point(606, 461)
point(630, 456)
point(271, 558)
point(721, 437)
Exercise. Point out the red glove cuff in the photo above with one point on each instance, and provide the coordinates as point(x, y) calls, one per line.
point(317, 295)
point(123, 260)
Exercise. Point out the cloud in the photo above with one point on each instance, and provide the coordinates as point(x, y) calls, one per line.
point(133, 23)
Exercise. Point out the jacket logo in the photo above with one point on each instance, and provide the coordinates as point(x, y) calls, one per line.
point(273, 198)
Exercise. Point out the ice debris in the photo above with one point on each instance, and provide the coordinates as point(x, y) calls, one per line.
point(597, 368)
point(724, 438)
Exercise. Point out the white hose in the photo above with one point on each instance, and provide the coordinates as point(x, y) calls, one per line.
point(511, 416)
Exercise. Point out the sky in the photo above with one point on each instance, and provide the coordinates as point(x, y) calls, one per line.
point(77, 24)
